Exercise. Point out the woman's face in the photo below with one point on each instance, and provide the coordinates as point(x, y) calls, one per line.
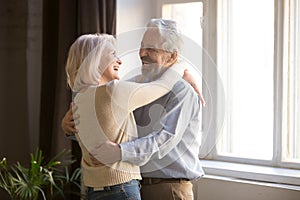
point(111, 70)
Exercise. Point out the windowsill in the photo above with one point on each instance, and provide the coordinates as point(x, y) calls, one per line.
point(279, 177)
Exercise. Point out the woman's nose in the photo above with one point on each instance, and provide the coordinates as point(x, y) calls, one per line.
point(119, 61)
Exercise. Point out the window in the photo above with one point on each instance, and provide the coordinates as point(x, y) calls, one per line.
point(258, 55)
point(256, 45)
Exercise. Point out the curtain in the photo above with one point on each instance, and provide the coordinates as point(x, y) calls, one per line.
point(97, 16)
point(63, 22)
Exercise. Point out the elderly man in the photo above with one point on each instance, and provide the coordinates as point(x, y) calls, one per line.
point(169, 141)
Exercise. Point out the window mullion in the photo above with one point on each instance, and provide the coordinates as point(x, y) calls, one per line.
point(278, 77)
point(290, 157)
point(209, 23)
point(297, 74)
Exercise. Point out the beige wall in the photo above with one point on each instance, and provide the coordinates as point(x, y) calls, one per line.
point(218, 189)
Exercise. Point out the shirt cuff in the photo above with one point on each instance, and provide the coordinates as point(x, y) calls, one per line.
point(72, 137)
point(127, 151)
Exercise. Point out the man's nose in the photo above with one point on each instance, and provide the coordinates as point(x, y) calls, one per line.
point(143, 52)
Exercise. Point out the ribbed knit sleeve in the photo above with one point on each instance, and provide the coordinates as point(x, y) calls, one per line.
point(131, 95)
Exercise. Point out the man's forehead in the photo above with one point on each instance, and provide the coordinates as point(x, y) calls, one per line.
point(153, 39)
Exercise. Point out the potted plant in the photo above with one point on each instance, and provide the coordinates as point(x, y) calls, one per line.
point(40, 179)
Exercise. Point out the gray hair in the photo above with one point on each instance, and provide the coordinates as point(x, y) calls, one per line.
point(168, 30)
point(86, 60)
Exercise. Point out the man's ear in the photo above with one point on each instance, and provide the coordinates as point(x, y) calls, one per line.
point(173, 58)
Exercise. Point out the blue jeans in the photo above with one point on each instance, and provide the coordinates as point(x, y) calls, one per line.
point(125, 191)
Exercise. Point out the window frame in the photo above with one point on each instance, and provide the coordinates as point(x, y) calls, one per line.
point(278, 128)
point(211, 24)
point(277, 87)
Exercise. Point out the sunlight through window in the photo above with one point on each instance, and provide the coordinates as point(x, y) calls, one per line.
point(246, 40)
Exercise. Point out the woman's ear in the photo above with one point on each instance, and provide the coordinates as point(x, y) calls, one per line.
point(173, 58)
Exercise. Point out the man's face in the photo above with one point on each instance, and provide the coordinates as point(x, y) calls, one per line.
point(154, 58)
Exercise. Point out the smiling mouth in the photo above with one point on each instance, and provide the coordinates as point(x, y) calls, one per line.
point(116, 69)
point(144, 62)
point(147, 60)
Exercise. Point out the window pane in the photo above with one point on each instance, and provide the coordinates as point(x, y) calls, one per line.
point(246, 60)
point(187, 16)
point(291, 140)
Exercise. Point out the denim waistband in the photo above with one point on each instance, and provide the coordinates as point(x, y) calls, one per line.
point(113, 187)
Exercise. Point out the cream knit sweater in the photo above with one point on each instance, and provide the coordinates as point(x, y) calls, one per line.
point(106, 112)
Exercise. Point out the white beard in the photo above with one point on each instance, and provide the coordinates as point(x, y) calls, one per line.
point(152, 71)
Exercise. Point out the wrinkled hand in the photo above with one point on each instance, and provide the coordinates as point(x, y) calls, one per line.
point(190, 79)
point(68, 123)
point(106, 153)
point(203, 103)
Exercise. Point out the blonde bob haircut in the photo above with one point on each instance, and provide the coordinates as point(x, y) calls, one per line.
point(87, 60)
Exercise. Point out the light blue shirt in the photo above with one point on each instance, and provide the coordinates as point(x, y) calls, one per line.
point(169, 136)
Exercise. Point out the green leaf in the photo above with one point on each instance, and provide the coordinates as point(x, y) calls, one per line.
point(48, 179)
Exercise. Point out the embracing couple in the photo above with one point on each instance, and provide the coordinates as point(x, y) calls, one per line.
point(136, 135)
